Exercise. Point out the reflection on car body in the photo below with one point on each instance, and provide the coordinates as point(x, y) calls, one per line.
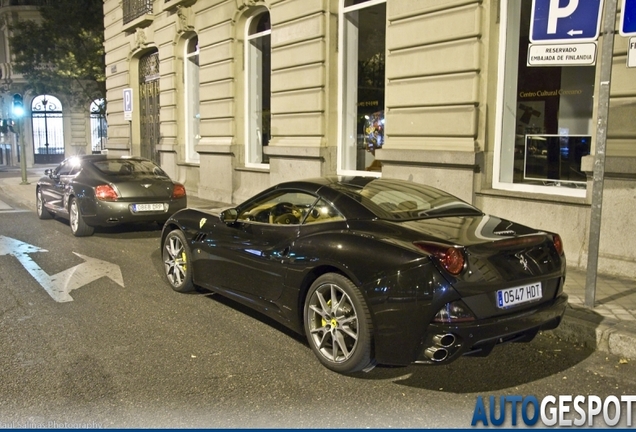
point(374, 270)
point(97, 190)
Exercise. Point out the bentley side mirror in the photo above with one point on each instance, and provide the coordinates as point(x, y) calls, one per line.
point(48, 172)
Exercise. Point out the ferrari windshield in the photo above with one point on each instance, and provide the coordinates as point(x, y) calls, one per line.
point(399, 200)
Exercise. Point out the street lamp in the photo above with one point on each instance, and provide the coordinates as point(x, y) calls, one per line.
point(18, 113)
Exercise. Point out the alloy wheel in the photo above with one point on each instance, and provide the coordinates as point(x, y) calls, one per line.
point(43, 213)
point(177, 262)
point(74, 216)
point(333, 323)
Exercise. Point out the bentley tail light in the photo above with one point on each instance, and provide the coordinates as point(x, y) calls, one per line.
point(106, 193)
point(558, 243)
point(451, 258)
point(178, 191)
point(454, 312)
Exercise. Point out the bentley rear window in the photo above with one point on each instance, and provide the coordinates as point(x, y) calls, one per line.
point(129, 167)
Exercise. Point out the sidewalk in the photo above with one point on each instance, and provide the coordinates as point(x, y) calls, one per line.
point(610, 326)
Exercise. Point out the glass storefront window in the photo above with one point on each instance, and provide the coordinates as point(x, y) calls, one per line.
point(258, 78)
point(545, 118)
point(363, 47)
point(192, 105)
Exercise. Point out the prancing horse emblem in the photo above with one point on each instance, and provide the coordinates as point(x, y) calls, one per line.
point(523, 261)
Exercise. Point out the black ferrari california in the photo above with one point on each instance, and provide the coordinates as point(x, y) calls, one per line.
point(97, 190)
point(374, 271)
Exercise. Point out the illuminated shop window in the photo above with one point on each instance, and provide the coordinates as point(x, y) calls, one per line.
point(192, 111)
point(258, 77)
point(362, 59)
point(545, 119)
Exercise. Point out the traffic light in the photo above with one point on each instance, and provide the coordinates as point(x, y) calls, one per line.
point(18, 105)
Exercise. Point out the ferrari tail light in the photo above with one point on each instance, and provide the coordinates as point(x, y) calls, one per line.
point(558, 243)
point(454, 312)
point(451, 258)
point(106, 193)
point(178, 191)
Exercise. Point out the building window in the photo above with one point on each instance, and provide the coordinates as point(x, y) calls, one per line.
point(98, 125)
point(192, 110)
point(362, 59)
point(545, 119)
point(48, 129)
point(257, 77)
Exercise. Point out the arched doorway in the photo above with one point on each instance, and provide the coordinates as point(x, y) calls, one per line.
point(48, 130)
point(99, 127)
point(149, 105)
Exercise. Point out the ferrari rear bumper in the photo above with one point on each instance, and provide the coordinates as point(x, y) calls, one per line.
point(445, 343)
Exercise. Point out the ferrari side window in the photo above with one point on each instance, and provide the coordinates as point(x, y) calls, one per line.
point(280, 208)
point(323, 212)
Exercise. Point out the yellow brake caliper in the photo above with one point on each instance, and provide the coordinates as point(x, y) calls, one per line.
point(323, 321)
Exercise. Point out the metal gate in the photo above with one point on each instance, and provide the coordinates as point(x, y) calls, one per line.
point(48, 130)
point(149, 105)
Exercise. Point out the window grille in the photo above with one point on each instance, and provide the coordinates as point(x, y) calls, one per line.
point(133, 9)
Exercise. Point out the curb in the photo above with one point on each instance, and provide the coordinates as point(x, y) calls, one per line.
point(587, 328)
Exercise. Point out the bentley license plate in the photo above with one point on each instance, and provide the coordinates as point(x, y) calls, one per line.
point(147, 207)
point(514, 296)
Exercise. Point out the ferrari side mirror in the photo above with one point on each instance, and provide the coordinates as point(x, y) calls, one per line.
point(229, 216)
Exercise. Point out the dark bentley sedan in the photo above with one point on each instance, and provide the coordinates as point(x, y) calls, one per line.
point(374, 270)
point(97, 190)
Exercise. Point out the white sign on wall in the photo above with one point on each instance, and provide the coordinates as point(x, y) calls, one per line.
point(631, 53)
point(578, 54)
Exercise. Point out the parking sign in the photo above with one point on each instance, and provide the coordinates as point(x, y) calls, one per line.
point(128, 104)
point(565, 21)
point(628, 18)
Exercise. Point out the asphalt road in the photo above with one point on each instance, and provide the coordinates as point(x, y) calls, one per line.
point(141, 355)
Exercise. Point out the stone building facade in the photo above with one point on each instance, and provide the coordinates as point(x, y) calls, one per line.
point(53, 126)
point(232, 96)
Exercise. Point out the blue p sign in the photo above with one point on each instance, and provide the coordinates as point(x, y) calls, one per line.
point(565, 20)
point(628, 18)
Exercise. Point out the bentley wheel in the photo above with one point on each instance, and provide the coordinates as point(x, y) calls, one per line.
point(43, 213)
point(177, 262)
point(338, 324)
point(78, 226)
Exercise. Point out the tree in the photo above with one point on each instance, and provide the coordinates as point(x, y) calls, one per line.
point(65, 51)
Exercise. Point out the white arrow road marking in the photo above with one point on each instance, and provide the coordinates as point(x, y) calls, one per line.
point(61, 284)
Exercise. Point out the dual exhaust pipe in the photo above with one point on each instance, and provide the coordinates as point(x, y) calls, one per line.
point(439, 352)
